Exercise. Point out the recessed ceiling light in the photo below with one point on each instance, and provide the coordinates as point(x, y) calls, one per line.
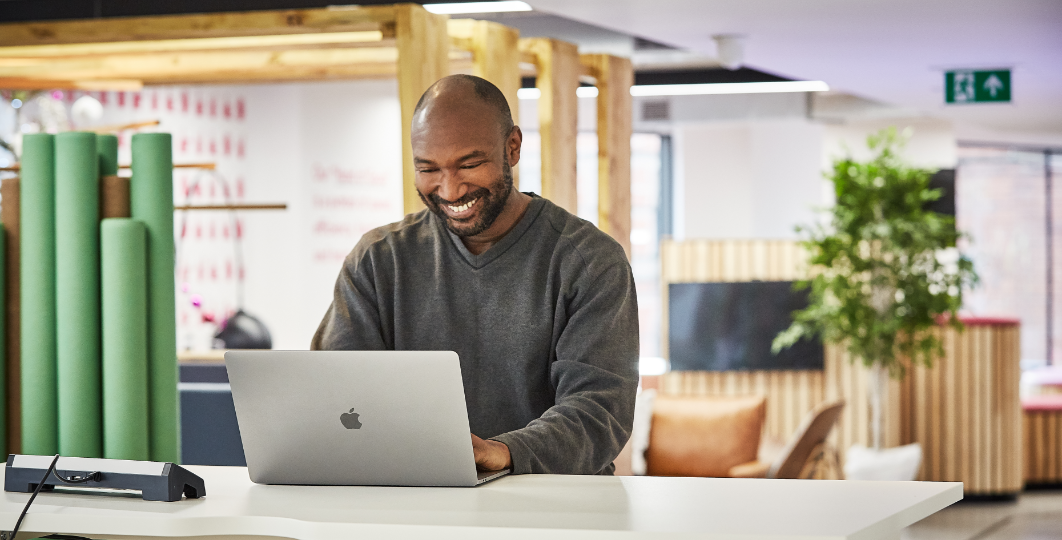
point(477, 7)
point(528, 93)
point(728, 88)
point(586, 91)
point(535, 93)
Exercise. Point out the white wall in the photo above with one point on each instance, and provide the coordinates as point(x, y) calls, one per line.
point(751, 179)
point(751, 166)
point(332, 151)
point(931, 143)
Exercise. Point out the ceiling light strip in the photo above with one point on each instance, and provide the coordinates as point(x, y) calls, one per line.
point(728, 88)
point(476, 7)
point(698, 89)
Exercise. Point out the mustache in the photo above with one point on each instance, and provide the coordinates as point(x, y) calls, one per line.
point(470, 196)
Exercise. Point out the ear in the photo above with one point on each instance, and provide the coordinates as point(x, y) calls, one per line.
point(513, 144)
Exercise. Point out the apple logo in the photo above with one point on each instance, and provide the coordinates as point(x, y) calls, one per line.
point(350, 420)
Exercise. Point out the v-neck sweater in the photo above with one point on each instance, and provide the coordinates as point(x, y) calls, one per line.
point(545, 323)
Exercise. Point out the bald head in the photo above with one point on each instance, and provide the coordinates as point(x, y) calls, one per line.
point(464, 94)
point(464, 149)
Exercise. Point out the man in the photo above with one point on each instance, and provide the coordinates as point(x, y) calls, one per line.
point(539, 304)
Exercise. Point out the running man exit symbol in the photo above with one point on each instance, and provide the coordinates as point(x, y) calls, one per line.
point(973, 86)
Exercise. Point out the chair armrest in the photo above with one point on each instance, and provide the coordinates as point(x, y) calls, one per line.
point(752, 469)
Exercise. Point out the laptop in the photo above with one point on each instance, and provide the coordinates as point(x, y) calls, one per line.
point(353, 418)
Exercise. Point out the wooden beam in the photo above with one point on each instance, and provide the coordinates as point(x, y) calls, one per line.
point(280, 75)
point(423, 58)
point(214, 25)
point(98, 73)
point(558, 116)
point(115, 128)
point(614, 76)
point(170, 66)
point(495, 57)
point(207, 166)
point(25, 83)
point(230, 207)
point(278, 42)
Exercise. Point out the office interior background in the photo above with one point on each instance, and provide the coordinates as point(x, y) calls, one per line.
point(722, 174)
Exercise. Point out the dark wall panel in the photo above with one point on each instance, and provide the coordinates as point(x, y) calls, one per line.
point(47, 10)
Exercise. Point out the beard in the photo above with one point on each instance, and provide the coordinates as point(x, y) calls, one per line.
point(492, 201)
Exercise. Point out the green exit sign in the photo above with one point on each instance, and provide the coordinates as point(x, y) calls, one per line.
point(977, 86)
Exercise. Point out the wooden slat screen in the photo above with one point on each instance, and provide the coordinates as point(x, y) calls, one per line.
point(965, 411)
point(1043, 447)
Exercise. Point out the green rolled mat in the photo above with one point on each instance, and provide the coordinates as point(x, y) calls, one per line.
point(107, 149)
point(151, 202)
point(77, 300)
point(40, 416)
point(123, 276)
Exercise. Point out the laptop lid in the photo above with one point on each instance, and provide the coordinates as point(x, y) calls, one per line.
point(393, 418)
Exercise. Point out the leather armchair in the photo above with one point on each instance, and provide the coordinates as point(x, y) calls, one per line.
point(704, 436)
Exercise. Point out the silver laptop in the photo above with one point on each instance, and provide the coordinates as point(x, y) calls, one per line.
point(365, 418)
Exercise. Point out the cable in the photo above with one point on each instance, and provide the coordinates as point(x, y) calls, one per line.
point(90, 477)
point(51, 468)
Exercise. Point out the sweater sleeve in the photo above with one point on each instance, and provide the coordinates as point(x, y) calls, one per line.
point(353, 320)
point(595, 375)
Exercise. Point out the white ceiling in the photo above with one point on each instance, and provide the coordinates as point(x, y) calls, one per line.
point(891, 51)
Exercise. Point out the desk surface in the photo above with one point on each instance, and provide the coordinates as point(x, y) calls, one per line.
point(514, 506)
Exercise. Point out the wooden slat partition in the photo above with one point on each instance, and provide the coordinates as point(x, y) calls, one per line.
point(965, 411)
point(790, 394)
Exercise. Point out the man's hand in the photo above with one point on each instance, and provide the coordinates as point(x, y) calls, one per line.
point(491, 455)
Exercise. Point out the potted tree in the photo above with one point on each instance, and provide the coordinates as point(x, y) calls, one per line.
point(884, 269)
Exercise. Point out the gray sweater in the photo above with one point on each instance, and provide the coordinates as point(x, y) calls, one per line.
point(545, 323)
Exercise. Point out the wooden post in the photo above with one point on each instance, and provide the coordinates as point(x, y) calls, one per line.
point(495, 57)
point(9, 214)
point(558, 116)
point(615, 76)
point(495, 54)
point(423, 58)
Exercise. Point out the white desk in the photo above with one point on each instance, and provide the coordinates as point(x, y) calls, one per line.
point(519, 507)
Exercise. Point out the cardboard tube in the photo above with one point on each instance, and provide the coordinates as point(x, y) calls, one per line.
point(114, 191)
point(151, 202)
point(123, 276)
point(9, 212)
point(37, 241)
point(77, 286)
point(114, 197)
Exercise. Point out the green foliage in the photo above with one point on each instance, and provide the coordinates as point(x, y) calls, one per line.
point(882, 274)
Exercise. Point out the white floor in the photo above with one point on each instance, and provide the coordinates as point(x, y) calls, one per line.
point(1035, 515)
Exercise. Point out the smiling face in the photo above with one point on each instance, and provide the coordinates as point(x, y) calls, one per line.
point(463, 152)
